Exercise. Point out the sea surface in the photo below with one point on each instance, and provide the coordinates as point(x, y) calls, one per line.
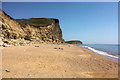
point(107, 50)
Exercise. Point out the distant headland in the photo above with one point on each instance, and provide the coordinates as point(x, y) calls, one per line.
point(74, 42)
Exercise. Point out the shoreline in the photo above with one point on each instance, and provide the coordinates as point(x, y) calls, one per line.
point(55, 61)
point(106, 54)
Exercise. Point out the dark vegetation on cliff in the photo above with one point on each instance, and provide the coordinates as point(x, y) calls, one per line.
point(42, 22)
point(74, 42)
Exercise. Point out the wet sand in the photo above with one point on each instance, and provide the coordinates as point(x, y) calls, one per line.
point(55, 61)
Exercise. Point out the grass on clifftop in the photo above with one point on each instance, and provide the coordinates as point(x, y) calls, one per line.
point(73, 42)
point(36, 21)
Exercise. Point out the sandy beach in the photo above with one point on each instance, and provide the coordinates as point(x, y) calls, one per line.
point(55, 61)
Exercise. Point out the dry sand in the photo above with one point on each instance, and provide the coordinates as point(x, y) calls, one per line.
point(48, 61)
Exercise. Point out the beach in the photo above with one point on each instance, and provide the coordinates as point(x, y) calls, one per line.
point(55, 61)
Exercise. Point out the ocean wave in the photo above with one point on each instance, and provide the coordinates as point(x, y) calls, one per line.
point(100, 52)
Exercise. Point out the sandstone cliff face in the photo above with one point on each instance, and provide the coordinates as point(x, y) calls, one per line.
point(13, 31)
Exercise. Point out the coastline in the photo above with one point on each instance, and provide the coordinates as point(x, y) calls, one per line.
point(112, 56)
point(55, 61)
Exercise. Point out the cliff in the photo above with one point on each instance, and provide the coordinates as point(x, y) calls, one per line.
point(27, 30)
point(74, 42)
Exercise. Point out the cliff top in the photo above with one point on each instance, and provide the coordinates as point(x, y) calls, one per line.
point(74, 42)
point(42, 22)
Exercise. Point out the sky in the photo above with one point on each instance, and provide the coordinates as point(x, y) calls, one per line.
point(89, 22)
point(60, 0)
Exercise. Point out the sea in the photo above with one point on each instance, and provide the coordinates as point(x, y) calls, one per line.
point(108, 50)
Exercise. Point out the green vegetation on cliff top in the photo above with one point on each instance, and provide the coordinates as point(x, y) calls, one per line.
point(73, 42)
point(42, 22)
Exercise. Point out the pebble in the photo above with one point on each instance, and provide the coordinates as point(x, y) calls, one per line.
point(7, 70)
point(59, 48)
point(37, 46)
point(55, 48)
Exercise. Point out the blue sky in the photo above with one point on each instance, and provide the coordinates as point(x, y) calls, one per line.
point(89, 22)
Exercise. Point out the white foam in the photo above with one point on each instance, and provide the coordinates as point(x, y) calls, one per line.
point(100, 52)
